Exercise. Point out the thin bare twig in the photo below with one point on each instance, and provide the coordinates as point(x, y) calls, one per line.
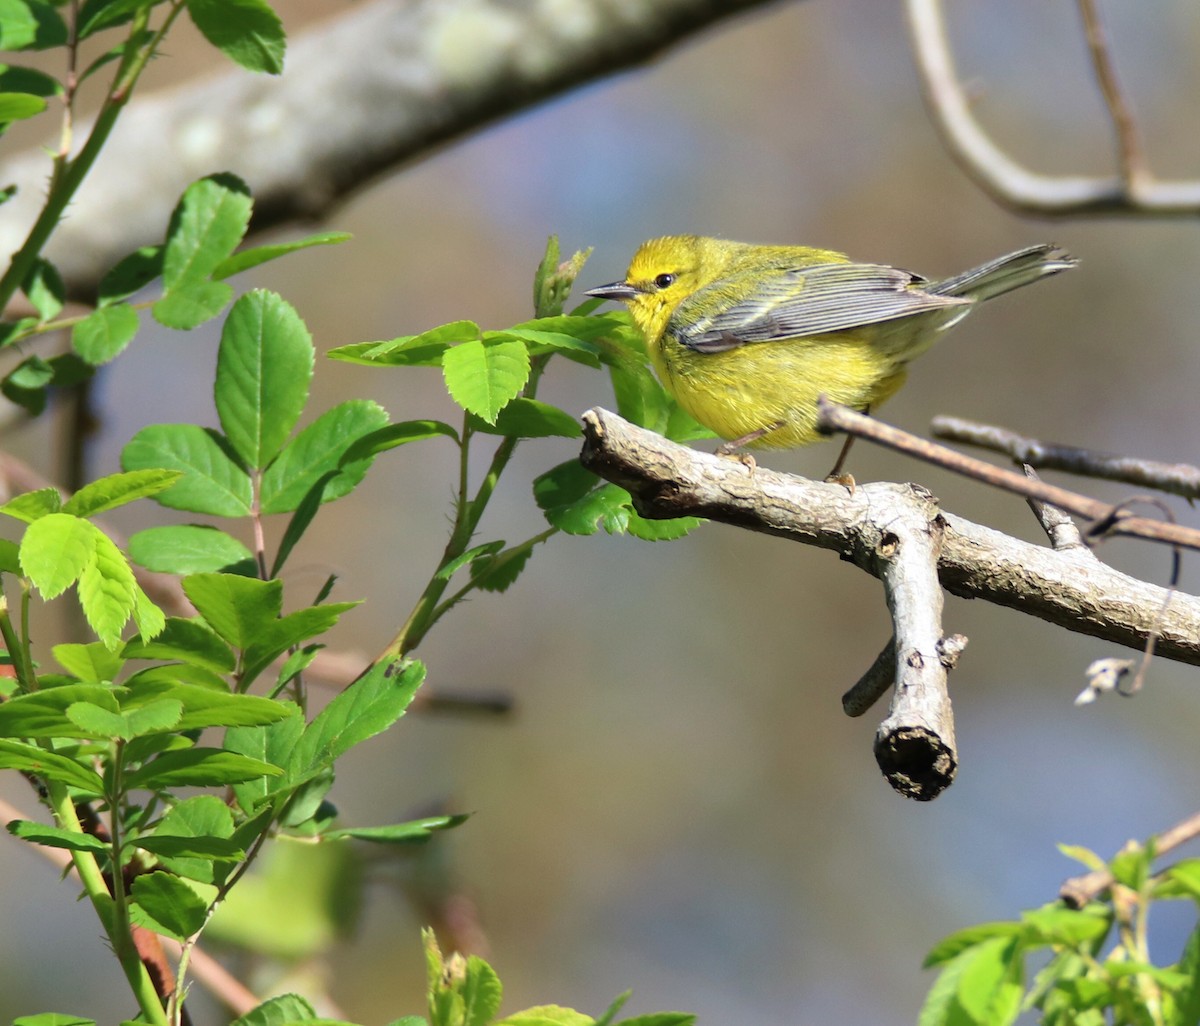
point(1080, 890)
point(1004, 179)
point(1131, 159)
point(1062, 531)
point(1176, 478)
point(1107, 520)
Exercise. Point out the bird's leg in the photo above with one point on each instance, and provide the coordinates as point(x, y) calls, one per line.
point(835, 476)
point(731, 448)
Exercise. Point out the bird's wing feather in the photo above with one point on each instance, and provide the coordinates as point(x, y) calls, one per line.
point(800, 302)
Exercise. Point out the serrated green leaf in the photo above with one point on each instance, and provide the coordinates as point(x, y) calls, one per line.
point(190, 549)
point(14, 79)
point(44, 287)
point(498, 573)
point(417, 831)
point(444, 573)
point(206, 226)
point(31, 506)
point(52, 1019)
point(530, 418)
point(277, 1011)
point(131, 274)
point(278, 636)
point(483, 377)
point(118, 489)
point(607, 506)
point(239, 609)
point(104, 333)
point(30, 25)
point(273, 743)
point(185, 640)
point(660, 530)
point(26, 384)
point(43, 713)
point(197, 767)
point(204, 707)
point(57, 837)
point(155, 718)
point(148, 619)
point(19, 107)
point(107, 591)
point(92, 664)
point(546, 1015)
point(368, 706)
point(256, 255)
point(264, 366)
point(192, 835)
point(1057, 924)
point(167, 905)
point(52, 766)
point(248, 32)
point(660, 1019)
point(212, 483)
point(319, 450)
point(962, 940)
point(56, 550)
point(95, 721)
point(394, 435)
point(191, 303)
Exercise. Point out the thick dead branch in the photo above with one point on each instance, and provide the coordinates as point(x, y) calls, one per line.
point(382, 84)
point(1132, 192)
point(1069, 588)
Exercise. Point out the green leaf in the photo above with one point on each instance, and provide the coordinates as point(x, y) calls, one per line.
point(10, 557)
point(104, 333)
point(256, 255)
point(19, 107)
point(31, 506)
point(607, 506)
point(197, 767)
point(415, 832)
point(277, 1011)
point(156, 718)
point(951, 947)
point(660, 1019)
point(167, 905)
point(563, 485)
point(52, 1019)
point(264, 366)
point(530, 418)
point(1187, 1000)
point(248, 32)
point(553, 280)
point(497, 574)
point(483, 377)
point(147, 617)
point(185, 640)
point(444, 573)
point(92, 664)
point(31, 759)
point(131, 274)
point(57, 837)
point(190, 549)
point(107, 591)
point(44, 287)
point(191, 303)
point(15, 79)
point(319, 450)
point(394, 435)
point(660, 530)
point(192, 835)
point(1057, 924)
point(206, 226)
point(546, 1015)
point(204, 707)
point(118, 489)
point(239, 609)
point(278, 636)
point(273, 743)
point(555, 341)
point(27, 383)
point(367, 707)
point(989, 989)
point(30, 25)
point(43, 713)
point(212, 483)
point(56, 550)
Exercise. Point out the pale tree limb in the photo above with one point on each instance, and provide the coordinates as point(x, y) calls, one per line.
point(1069, 587)
point(382, 84)
point(1134, 191)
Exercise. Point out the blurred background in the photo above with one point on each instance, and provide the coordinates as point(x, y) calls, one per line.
point(677, 804)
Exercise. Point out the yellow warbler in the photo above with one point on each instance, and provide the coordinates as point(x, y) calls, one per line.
point(747, 337)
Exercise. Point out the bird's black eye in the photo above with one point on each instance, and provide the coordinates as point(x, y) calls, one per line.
point(664, 281)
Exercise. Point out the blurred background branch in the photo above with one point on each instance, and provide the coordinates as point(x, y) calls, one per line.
point(379, 86)
point(1133, 191)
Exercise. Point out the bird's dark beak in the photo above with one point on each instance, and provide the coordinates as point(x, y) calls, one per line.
point(617, 290)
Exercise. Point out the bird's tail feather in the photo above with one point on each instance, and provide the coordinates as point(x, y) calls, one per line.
point(1005, 273)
